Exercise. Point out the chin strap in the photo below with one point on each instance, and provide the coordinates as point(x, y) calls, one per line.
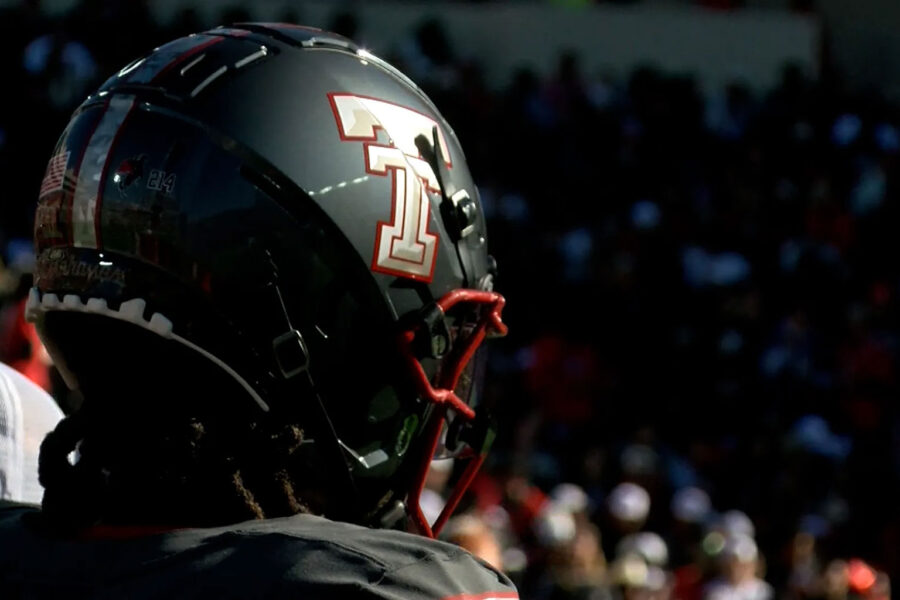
point(443, 396)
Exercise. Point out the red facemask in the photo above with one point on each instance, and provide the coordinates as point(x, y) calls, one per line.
point(443, 394)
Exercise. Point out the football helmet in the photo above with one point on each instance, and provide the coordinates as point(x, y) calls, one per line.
point(297, 213)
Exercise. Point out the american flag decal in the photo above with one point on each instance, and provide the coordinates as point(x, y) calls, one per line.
point(55, 177)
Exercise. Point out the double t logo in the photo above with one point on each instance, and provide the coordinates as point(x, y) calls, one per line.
point(403, 246)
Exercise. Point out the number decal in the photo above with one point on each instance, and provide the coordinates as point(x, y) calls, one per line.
point(161, 181)
point(403, 246)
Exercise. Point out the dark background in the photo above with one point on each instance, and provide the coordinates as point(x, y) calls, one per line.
point(702, 284)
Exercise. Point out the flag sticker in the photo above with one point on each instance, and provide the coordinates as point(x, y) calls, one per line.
point(55, 177)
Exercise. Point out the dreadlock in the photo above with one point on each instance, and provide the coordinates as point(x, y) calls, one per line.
point(187, 477)
point(185, 449)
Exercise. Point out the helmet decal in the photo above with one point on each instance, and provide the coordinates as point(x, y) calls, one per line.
point(166, 57)
point(129, 171)
point(55, 176)
point(58, 182)
point(91, 174)
point(404, 246)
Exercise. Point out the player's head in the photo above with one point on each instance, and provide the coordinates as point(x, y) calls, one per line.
point(262, 259)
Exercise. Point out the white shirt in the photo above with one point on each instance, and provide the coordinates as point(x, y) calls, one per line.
point(27, 414)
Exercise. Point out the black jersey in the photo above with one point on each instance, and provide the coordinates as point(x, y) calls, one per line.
point(303, 556)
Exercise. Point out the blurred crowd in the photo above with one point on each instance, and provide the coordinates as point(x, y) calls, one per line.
point(699, 389)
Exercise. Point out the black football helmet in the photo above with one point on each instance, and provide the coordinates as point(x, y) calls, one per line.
point(297, 213)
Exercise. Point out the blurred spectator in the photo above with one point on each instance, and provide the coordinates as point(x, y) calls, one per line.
point(632, 578)
point(471, 533)
point(629, 506)
point(647, 545)
point(574, 566)
point(691, 505)
point(740, 572)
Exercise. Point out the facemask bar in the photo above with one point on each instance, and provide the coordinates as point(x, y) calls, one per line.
point(443, 395)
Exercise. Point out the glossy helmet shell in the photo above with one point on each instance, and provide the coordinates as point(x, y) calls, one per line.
point(283, 203)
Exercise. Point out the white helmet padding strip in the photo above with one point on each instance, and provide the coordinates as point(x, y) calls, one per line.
point(131, 311)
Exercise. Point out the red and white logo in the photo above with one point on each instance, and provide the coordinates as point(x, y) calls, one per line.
point(403, 245)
